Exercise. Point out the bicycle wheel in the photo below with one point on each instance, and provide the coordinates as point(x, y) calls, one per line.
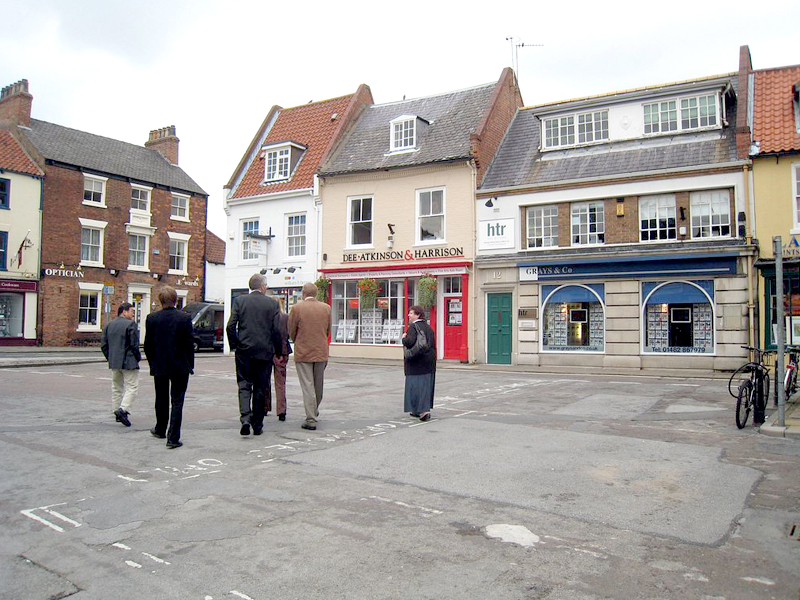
point(791, 382)
point(743, 404)
point(766, 390)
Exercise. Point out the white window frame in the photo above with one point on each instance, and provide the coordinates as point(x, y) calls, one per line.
point(679, 109)
point(178, 238)
point(101, 227)
point(711, 199)
point(282, 163)
point(549, 223)
point(148, 191)
point(173, 216)
point(665, 207)
point(576, 210)
point(95, 179)
point(182, 297)
point(566, 130)
point(245, 255)
point(350, 223)
point(145, 268)
point(96, 290)
point(403, 143)
point(418, 239)
point(795, 195)
point(290, 237)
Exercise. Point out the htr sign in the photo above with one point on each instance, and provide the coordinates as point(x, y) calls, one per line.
point(498, 233)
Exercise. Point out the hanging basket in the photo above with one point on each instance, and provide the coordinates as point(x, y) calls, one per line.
point(323, 285)
point(368, 289)
point(426, 294)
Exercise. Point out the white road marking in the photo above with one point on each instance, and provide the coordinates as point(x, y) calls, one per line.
point(135, 565)
point(62, 517)
point(30, 515)
point(241, 595)
point(121, 546)
point(404, 505)
point(156, 559)
point(374, 434)
point(131, 478)
point(762, 580)
point(685, 384)
point(626, 382)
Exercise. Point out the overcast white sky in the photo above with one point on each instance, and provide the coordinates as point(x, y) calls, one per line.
point(214, 69)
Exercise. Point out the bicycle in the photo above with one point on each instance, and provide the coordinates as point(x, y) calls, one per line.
point(754, 387)
point(790, 378)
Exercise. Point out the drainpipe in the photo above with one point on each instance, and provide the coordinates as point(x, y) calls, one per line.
point(752, 326)
point(473, 353)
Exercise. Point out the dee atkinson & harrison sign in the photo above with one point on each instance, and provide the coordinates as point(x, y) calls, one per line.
point(399, 255)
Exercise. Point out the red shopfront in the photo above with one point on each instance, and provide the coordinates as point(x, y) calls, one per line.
point(18, 302)
point(382, 325)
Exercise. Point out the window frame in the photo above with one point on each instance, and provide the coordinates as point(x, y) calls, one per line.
point(795, 195)
point(145, 268)
point(178, 238)
point(5, 195)
point(99, 226)
point(148, 202)
point(401, 121)
point(588, 205)
point(679, 110)
point(419, 216)
point(87, 178)
point(172, 214)
point(351, 223)
point(695, 212)
point(529, 228)
point(290, 237)
point(244, 254)
point(564, 131)
point(657, 199)
point(279, 153)
point(3, 251)
point(95, 290)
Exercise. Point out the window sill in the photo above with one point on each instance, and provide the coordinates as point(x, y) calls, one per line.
point(92, 328)
point(175, 272)
point(441, 242)
point(364, 247)
point(95, 204)
point(176, 218)
point(138, 268)
point(87, 263)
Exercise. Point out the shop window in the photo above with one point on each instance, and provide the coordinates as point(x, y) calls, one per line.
point(381, 324)
point(796, 190)
point(11, 313)
point(678, 317)
point(573, 318)
point(452, 285)
point(791, 307)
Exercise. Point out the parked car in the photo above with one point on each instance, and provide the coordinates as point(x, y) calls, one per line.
point(207, 324)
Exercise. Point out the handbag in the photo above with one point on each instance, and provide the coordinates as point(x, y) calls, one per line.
point(421, 344)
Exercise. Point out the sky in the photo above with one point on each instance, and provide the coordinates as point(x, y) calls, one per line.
point(215, 68)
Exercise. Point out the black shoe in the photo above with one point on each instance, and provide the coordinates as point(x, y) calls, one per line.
point(414, 414)
point(154, 433)
point(282, 417)
point(245, 430)
point(425, 417)
point(309, 427)
point(172, 445)
point(122, 417)
point(257, 430)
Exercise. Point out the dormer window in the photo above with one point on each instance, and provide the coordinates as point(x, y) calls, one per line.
point(681, 114)
point(280, 160)
point(404, 132)
point(562, 131)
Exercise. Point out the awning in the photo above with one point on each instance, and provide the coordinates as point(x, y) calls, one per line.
point(677, 293)
point(572, 293)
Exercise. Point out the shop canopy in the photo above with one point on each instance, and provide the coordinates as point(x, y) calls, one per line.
point(678, 293)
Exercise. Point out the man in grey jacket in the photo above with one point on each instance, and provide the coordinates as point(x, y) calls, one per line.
point(120, 346)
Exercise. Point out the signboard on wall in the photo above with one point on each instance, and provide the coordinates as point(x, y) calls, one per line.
point(496, 233)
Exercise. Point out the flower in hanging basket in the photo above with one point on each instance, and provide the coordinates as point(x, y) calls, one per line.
point(368, 289)
point(426, 294)
point(323, 284)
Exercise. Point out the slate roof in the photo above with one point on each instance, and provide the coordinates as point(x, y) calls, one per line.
point(13, 157)
point(310, 125)
point(453, 117)
point(215, 248)
point(774, 121)
point(519, 162)
point(104, 155)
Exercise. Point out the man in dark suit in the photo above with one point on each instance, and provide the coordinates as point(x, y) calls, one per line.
point(120, 346)
point(169, 346)
point(254, 335)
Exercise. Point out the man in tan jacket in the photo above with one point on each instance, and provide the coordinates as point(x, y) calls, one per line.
point(309, 327)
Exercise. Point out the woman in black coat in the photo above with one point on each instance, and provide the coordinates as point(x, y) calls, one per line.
point(419, 364)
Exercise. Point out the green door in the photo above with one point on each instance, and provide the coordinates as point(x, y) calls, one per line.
point(498, 329)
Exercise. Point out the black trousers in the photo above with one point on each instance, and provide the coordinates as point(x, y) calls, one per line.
point(170, 388)
point(253, 376)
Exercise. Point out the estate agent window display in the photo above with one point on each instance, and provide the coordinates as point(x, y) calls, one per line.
point(678, 317)
point(573, 318)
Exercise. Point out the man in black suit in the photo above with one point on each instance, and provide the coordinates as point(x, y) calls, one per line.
point(169, 346)
point(254, 335)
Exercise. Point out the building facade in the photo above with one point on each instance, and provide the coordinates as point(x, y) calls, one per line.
point(118, 220)
point(399, 198)
point(612, 233)
point(272, 198)
point(20, 242)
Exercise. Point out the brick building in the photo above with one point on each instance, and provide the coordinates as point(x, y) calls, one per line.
point(118, 220)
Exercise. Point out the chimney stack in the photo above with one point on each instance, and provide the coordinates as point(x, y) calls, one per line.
point(166, 142)
point(15, 104)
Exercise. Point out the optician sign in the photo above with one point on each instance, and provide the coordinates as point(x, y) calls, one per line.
point(498, 233)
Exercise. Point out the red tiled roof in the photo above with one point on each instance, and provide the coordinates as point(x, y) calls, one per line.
point(774, 126)
point(215, 249)
point(309, 125)
point(14, 158)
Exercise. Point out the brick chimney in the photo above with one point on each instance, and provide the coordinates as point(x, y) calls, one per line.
point(15, 104)
point(166, 142)
point(743, 101)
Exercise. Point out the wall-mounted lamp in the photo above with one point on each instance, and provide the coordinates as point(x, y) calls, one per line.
point(62, 267)
point(490, 202)
point(391, 228)
point(157, 276)
point(263, 271)
point(114, 272)
point(291, 269)
point(742, 226)
point(683, 213)
point(276, 271)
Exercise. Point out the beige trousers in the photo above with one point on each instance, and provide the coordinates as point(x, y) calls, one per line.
point(124, 388)
point(311, 376)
